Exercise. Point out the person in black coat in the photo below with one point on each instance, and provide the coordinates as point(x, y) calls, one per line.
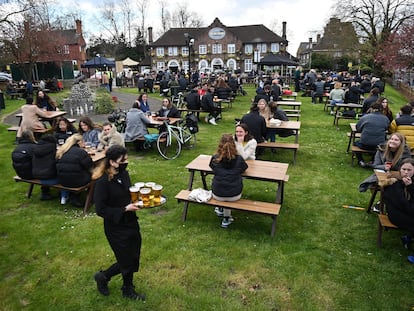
point(373, 97)
point(74, 165)
point(22, 155)
point(113, 203)
point(63, 129)
point(168, 110)
point(256, 123)
point(44, 164)
point(264, 93)
point(353, 94)
point(399, 200)
point(227, 184)
point(193, 99)
point(207, 103)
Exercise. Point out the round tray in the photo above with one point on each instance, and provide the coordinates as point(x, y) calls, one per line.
point(163, 201)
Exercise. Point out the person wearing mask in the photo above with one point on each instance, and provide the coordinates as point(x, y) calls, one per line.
point(45, 102)
point(398, 197)
point(89, 131)
point(73, 167)
point(22, 155)
point(373, 128)
point(63, 129)
point(113, 203)
point(227, 184)
point(109, 136)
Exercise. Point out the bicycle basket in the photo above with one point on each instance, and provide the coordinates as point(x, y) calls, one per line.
point(191, 122)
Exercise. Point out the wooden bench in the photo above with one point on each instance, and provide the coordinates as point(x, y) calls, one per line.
point(260, 207)
point(14, 95)
point(281, 145)
point(356, 149)
point(351, 140)
point(383, 223)
point(88, 187)
point(292, 113)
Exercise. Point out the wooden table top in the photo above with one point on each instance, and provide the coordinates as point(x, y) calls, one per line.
point(155, 121)
point(285, 125)
point(50, 114)
point(264, 170)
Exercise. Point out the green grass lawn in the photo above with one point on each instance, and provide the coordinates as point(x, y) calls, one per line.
point(323, 256)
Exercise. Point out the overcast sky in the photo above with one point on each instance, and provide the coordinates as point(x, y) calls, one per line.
point(305, 18)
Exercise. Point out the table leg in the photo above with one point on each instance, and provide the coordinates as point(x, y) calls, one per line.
point(351, 139)
point(279, 192)
point(189, 187)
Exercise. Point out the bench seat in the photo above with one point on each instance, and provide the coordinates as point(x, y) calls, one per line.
point(260, 207)
point(88, 187)
point(383, 223)
point(281, 145)
point(356, 149)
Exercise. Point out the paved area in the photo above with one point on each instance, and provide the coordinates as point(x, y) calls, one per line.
point(125, 102)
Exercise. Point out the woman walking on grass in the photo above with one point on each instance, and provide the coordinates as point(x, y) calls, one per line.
point(113, 204)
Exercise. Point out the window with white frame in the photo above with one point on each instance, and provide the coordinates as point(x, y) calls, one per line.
point(160, 65)
point(172, 51)
point(202, 49)
point(274, 47)
point(185, 65)
point(248, 65)
point(231, 48)
point(231, 64)
point(248, 49)
point(262, 47)
point(184, 51)
point(66, 49)
point(160, 51)
point(216, 49)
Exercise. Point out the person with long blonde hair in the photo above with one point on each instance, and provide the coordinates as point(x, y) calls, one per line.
point(390, 155)
point(227, 184)
point(113, 203)
point(73, 166)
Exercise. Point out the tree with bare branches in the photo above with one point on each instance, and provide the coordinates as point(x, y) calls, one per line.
point(376, 20)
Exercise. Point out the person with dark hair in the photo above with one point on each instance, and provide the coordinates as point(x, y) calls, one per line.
point(386, 111)
point(45, 102)
point(193, 99)
point(404, 124)
point(143, 103)
point(22, 155)
point(373, 128)
point(256, 123)
point(89, 131)
point(168, 110)
point(136, 126)
point(44, 164)
point(398, 197)
point(227, 184)
point(264, 93)
point(208, 104)
point(245, 143)
point(63, 129)
point(371, 99)
point(280, 114)
point(113, 203)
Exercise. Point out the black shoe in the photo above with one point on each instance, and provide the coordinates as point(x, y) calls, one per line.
point(46, 197)
point(102, 283)
point(406, 240)
point(129, 292)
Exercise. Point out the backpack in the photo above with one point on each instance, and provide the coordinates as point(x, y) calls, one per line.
point(191, 122)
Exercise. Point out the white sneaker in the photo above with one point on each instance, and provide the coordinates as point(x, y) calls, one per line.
point(212, 121)
point(226, 222)
point(206, 119)
point(219, 211)
point(64, 200)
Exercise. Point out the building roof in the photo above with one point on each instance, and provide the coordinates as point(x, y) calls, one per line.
point(246, 34)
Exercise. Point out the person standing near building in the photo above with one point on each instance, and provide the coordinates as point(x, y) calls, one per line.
point(113, 203)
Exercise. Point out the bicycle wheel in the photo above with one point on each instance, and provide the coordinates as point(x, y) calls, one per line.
point(189, 139)
point(168, 146)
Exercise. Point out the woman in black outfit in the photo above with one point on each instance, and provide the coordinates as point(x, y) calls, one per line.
point(113, 204)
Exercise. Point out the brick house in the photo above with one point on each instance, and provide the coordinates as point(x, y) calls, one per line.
point(215, 47)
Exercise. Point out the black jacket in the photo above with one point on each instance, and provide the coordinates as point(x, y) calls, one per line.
point(172, 113)
point(22, 158)
point(73, 169)
point(256, 124)
point(193, 100)
point(227, 180)
point(44, 160)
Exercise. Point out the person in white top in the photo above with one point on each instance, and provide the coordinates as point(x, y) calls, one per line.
point(245, 143)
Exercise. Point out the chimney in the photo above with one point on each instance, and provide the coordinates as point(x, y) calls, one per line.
point(318, 38)
point(78, 27)
point(310, 43)
point(149, 35)
point(284, 30)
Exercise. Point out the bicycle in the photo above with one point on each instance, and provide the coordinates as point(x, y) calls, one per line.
point(171, 141)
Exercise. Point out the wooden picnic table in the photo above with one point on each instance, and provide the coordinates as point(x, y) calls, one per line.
point(287, 125)
point(293, 104)
point(340, 108)
point(51, 115)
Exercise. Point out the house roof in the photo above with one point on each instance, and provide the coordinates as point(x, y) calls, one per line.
point(246, 34)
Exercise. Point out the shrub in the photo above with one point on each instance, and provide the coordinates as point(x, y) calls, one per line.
point(103, 101)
